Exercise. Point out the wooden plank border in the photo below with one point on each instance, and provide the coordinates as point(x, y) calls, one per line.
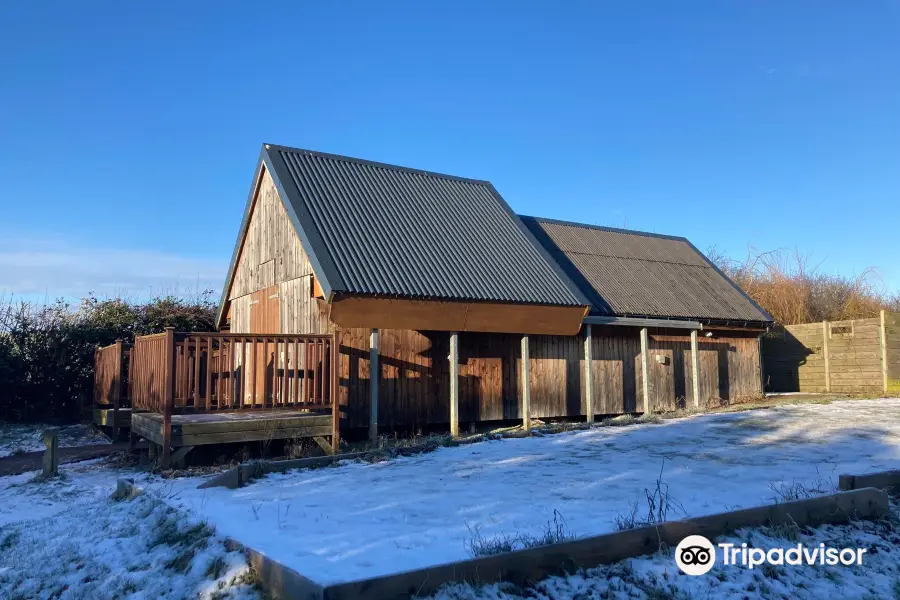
point(534, 564)
point(882, 480)
point(276, 579)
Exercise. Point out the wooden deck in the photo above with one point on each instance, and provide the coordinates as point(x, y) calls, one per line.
point(230, 427)
point(103, 417)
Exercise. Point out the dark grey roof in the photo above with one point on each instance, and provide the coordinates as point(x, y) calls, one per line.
point(377, 229)
point(631, 273)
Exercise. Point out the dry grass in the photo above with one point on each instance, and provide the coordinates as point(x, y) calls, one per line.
point(794, 290)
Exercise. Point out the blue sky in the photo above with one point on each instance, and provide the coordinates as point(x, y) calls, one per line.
point(129, 131)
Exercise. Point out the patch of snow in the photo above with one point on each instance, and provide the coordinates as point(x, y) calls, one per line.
point(361, 520)
point(657, 576)
point(64, 538)
point(19, 439)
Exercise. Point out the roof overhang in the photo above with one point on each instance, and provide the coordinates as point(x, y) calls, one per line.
point(641, 322)
point(488, 317)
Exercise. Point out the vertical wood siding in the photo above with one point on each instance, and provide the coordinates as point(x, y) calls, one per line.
point(300, 312)
point(414, 388)
point(271, 251)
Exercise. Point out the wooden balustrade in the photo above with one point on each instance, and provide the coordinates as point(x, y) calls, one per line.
point(187, 372)
point(111, 387)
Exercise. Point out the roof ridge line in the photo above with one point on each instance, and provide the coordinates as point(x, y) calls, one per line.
point(375, 163)
point(652, 260)
point(605, 228)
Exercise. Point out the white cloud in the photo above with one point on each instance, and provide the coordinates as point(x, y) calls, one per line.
point(49, 268)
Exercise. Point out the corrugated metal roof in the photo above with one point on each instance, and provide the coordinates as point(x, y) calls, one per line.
point(379, 229)
point(630, 273)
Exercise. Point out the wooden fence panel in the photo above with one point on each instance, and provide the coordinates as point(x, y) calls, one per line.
point(111, 375)
point(892, 351)
point(837, 356)
point(148, 373)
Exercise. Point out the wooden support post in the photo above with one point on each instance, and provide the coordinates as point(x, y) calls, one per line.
point(454, 384)
point(169, 397)
point(526, 385)
point(51, 455)
point(373, 385)
point(588, 379)
point(825, 353)
point(335, 391)
point(645, 368)
point(762, 365)
point(884, 351)
point(695, 367)
point(117, 388)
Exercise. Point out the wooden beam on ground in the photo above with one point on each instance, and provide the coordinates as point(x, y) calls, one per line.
point(695, 367)
point(645, 368)
point(526, 385)
point(454, 384)
point(588, 379)
point(373, 385)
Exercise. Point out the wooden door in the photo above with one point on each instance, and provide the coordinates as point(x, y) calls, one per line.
point(264, 319)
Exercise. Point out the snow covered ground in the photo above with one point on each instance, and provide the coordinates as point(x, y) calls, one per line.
point(361, 520)
point(19, 439)
point(657, 576)
point(66, 539)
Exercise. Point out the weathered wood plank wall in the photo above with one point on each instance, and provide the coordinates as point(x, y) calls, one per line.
point(414, 387)
point(836, 356)
point(892, 339)
point(271, 252)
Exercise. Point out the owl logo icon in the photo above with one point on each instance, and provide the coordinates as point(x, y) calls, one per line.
point(695, 555)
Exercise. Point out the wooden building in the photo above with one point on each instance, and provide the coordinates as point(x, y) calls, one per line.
point(436, 290)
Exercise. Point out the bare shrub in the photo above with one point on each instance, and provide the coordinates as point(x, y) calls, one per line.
point(478, 545)
point(794, 290)
point(795, 490)
point(660, 503)
point(556, 531)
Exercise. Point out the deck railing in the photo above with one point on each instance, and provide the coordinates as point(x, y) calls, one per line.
point(192, 372)
point(198, 372)
point(111, 389)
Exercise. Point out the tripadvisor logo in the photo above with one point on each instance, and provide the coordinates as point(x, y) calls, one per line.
point(696, 555)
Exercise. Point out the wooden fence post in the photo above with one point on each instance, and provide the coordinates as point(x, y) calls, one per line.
point(695, 367)
point(526, 385)
point(51, 455)
point(335, 392)
point(454, 384)
point(825, 352)
point(373, 385)
point(588, 372)
point(645, 368)
point(884, 352)
point(169, 399)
